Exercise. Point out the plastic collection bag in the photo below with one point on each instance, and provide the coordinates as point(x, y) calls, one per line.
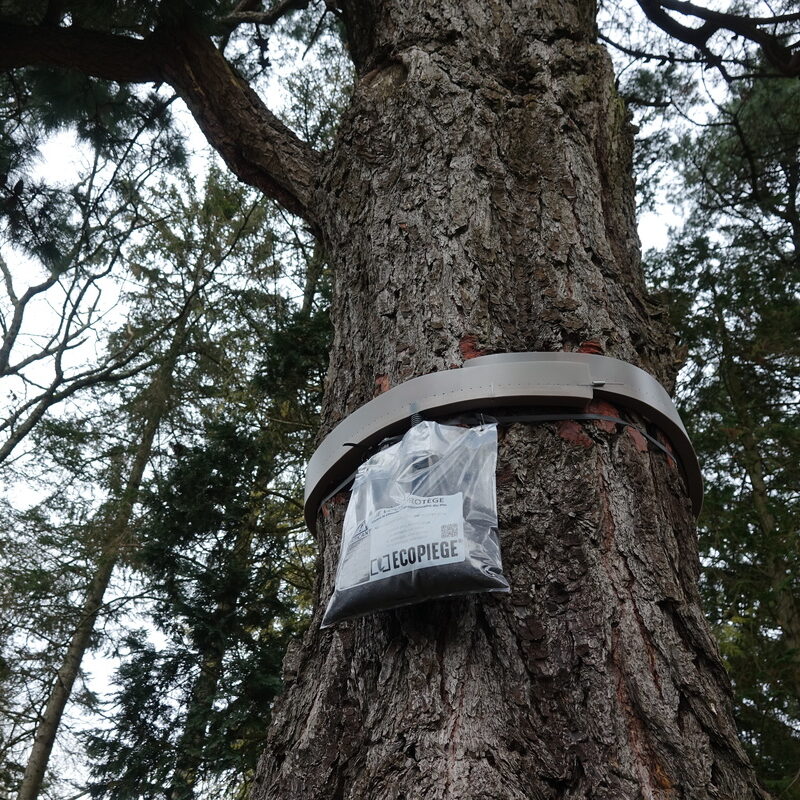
point(421, 523)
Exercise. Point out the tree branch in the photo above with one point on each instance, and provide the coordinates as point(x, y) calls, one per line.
point(279, 10)
point(252, 141)
point(785, 59)
point(102, 55)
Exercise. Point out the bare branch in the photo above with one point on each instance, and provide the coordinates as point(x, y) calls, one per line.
point(16, 321)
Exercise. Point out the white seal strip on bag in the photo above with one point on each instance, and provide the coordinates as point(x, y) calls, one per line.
point(564, 380)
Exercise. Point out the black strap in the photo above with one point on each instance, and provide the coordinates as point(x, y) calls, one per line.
point(510, 418)
point(478, 418)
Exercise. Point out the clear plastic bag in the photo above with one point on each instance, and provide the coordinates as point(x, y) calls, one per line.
point(421, 523)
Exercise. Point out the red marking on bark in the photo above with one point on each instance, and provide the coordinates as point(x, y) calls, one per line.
point(572, 431)
point(607, 410)
point(668, 446)
point(330, 504)
point(645, 759)
point(638, 440)
point(664, 440)
point(381, 385)
point(591, 346)
point(468, 347)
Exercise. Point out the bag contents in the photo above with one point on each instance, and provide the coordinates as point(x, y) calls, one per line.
point(421, 523)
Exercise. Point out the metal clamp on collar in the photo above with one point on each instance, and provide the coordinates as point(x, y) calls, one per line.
point(570, 380)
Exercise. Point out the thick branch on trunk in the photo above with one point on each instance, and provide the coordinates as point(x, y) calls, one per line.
point(254, 143)
point(103, 55)
point(781, 57)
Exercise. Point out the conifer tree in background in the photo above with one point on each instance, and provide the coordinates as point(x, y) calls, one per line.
point(222, 553)
point(222, 343)
point(172, 225)
point(113, 535)
point(219, 554)
point(109, 528)
point(732, 274)
point(477, 198)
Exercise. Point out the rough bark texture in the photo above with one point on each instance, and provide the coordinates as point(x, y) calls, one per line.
point(479, 199)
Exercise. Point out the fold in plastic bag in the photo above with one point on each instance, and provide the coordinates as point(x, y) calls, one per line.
point(421, 523)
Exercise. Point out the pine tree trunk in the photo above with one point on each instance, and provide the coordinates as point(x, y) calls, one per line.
point(480, 199)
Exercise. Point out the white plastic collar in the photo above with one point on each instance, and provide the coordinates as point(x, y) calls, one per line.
point(570, 380)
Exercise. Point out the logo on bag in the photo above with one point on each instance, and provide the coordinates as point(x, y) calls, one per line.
point(422, 555)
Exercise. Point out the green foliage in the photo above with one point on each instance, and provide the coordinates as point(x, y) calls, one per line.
point(221, 547)
point(206, 259)
point(42, 578)
point(295, 359)
point(732, 275)
point(214, 545)
point(318, 95)
point(656, 96)
point(119, 124)
point(220, 553)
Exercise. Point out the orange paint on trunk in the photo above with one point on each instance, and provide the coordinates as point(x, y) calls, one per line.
point(671, 462)
point(572, 431)
point(591, 346)
point(468, 347)
point(381, 385)
point(607, 410)
point(638, 440)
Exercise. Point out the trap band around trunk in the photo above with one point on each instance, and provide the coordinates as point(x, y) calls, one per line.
point(568, 380)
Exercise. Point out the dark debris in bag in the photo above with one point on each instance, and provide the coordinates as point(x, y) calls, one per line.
point(421, 523)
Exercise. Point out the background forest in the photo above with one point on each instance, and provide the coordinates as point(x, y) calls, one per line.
point(164, 339)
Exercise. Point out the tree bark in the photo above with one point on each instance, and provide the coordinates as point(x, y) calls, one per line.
point(479, 199)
